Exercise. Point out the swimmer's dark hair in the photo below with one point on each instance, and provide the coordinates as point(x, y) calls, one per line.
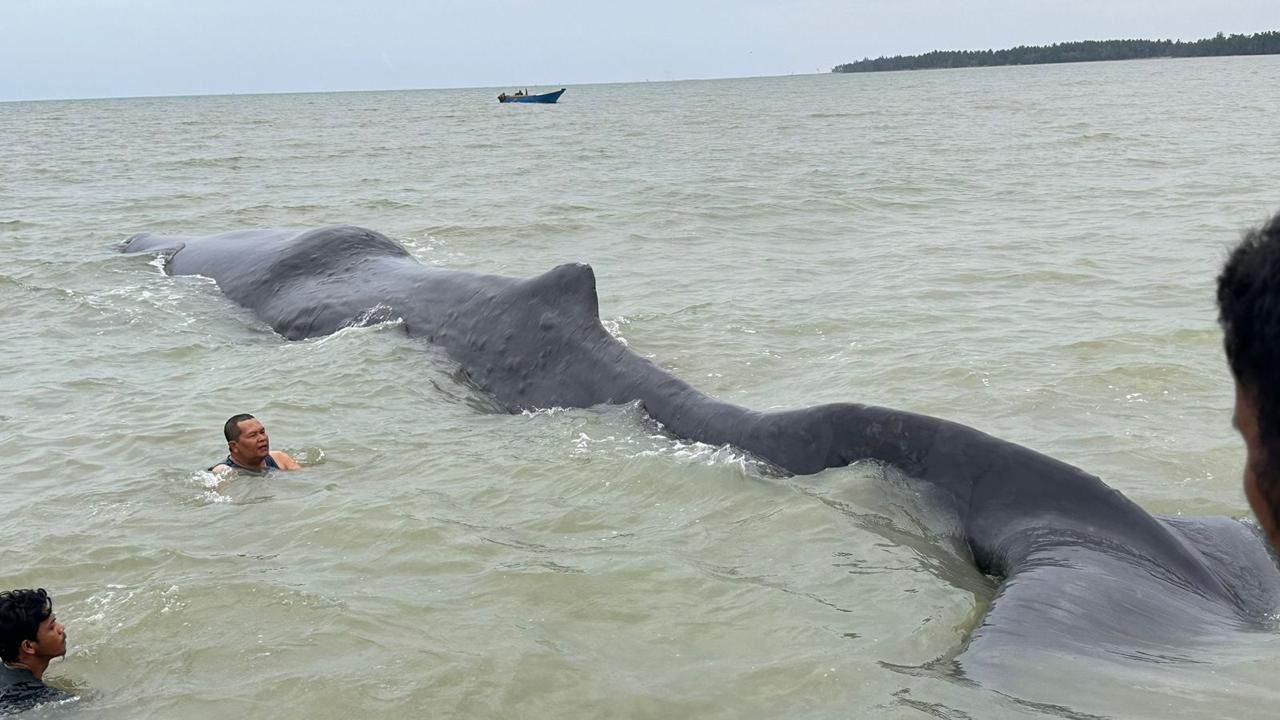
point(231, 430)
point(1249, 313)
point(21, 612)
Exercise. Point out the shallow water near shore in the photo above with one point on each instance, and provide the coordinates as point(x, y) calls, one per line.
point(1027, 250)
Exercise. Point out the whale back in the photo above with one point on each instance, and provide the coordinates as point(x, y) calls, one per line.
point(251, 265)
point(531, 343)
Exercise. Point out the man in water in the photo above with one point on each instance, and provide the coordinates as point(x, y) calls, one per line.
point(30, 638)
point(1249, 312)
point(249, 448)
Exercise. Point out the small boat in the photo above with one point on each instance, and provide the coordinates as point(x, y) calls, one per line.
point(522, 96)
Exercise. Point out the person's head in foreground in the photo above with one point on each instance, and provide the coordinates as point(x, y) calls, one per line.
point(30, 634)
point(1249, 312)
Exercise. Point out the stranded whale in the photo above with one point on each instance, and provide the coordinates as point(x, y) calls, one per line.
point(1084, 570)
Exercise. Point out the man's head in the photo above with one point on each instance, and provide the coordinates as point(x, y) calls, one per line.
point(1249, 312)
point(30, 633)
point(247, 439)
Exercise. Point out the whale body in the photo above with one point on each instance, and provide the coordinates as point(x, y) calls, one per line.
point(1083, 569)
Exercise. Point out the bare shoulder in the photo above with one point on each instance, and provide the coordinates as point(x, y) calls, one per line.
point(285, 462)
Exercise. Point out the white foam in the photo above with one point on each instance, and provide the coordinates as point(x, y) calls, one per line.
point(614, 328)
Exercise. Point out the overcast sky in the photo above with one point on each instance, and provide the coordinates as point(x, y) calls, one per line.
point(123, 48)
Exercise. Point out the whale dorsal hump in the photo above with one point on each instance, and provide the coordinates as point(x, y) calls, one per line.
point(571, 288)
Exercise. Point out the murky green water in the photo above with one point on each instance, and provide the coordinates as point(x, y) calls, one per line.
point(1027, 250)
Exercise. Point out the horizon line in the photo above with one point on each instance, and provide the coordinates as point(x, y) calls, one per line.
point(268, 93)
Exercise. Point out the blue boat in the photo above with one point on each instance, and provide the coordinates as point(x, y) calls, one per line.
point(522, 96)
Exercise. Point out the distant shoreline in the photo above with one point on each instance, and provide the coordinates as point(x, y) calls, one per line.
point(1263, 43)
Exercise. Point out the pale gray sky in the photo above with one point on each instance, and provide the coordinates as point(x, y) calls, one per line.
point(122, 48)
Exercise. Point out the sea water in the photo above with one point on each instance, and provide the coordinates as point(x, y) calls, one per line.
point(1027, 250)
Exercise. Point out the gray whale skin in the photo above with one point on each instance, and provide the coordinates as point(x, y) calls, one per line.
point(1084, 570)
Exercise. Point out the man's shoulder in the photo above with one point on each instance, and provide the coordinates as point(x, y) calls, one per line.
point(20, 690)
point(20, 698)
point(11, 676)
point(284, 460)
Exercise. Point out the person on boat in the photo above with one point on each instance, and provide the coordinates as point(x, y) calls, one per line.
point(30, 638)
point(520, 93)
point(249, 448)
point(1249, 313)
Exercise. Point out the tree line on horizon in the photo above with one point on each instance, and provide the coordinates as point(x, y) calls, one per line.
point(1263, 43)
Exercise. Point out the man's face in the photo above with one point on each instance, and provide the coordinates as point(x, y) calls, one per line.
point(51, 639)
point(1245, 420)
point(253, 444)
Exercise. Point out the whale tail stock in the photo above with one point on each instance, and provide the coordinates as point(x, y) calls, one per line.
point(1010, 501)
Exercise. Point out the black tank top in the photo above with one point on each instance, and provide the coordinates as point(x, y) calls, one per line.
point(271, 465)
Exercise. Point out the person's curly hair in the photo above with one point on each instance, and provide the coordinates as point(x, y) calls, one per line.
point(21, 612)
